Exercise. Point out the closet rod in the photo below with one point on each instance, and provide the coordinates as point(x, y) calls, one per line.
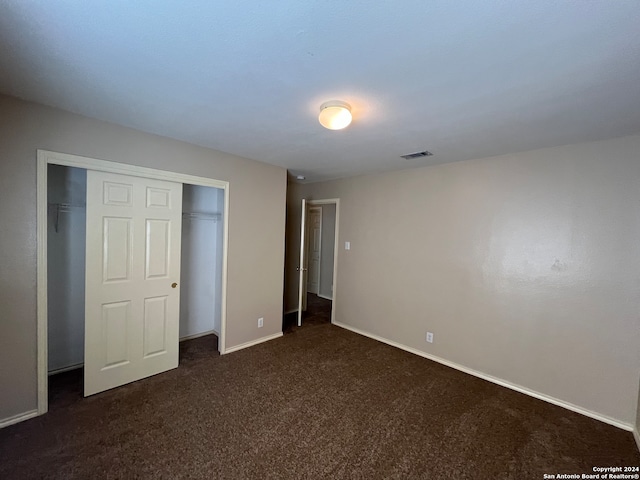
point(67, 206)
point(64, 208)
point(202, 216)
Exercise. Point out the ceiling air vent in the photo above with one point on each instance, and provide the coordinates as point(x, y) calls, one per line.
point(411, 156)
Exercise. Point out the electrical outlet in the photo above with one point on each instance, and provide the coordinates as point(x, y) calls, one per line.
point(260, 322)
point(429, 337)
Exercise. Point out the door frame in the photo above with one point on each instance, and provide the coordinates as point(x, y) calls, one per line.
point(303, 239)
point(302, 284)
point(44, 159)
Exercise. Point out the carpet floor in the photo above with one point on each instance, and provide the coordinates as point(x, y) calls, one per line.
point(320, 402)
point(318, 312)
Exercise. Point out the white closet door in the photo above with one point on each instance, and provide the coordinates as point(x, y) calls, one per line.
point(132, 269)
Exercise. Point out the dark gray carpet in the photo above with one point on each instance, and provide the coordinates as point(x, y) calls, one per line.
point(321, 402)
point(318, 311)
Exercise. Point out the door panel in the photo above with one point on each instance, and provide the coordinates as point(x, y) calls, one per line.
point(133, 256)
point(158, 252)
point(117, 251)
point(118, 194)
point(116, 318)
point(158, 197)
point(155, 326)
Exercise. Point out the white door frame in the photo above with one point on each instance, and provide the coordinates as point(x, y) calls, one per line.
point(46, 158)
point(313, 203)
point(302, 284)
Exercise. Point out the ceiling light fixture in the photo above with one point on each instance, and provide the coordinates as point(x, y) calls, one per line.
point(335, 115)
point(300, 177)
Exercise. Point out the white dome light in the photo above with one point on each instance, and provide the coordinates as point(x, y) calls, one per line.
point(335, 115)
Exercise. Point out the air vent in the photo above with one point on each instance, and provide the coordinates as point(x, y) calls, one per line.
point(411, 156)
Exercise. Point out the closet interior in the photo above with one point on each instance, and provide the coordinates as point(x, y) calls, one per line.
point(201, 261)
point(200, 272)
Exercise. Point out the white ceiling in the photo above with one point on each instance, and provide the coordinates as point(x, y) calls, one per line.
point(463, 79)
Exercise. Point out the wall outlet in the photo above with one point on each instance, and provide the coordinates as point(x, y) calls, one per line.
point(347, 245)
point(429, 337)
point(260, 322)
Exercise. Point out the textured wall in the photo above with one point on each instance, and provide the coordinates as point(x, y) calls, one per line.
point(256, 227)
point(526, 267)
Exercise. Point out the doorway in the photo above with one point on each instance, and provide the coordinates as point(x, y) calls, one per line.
point(318, 261)
point(66, 229)
point(61, 226)
point(201, 262)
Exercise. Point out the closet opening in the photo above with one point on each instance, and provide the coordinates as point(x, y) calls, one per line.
point(201, 277)
point(201, 266)
point(66, 230)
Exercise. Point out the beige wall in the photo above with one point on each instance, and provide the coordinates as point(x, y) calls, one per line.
point(525, 267)
point(256, 227)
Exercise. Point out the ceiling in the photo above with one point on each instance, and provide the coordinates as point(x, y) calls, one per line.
point(466, 79)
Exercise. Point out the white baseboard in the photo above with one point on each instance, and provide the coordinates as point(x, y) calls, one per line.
point(325, 297)
point(636, 435)
point(66, 369)
point(21, 417)
point(198, 335)
point(252, 343)
point(498, 381)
